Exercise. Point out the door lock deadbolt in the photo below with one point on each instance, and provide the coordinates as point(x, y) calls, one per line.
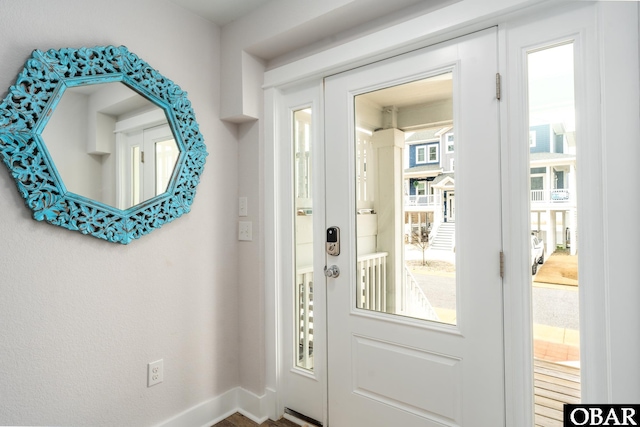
point(333, 241)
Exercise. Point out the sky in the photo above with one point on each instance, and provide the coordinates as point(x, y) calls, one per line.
point(551, 86)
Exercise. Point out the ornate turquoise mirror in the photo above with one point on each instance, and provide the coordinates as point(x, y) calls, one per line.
point(99, 142)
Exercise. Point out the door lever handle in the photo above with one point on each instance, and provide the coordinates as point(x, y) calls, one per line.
point(332, 271)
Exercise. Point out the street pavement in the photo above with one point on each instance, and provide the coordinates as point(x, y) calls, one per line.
point(554, 307)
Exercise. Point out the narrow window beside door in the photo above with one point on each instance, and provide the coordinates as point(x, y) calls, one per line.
point(554, 230)
point(303, 214)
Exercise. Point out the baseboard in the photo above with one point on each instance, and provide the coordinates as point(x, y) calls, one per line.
point(252, 406)
point(212, 411)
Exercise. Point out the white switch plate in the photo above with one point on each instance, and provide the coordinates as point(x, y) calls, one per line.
point(244, 231)
point(242, 206)
point(155, 373)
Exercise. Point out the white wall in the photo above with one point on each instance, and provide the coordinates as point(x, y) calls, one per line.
point(620, 73)
point(80, 317)
point(251, 262)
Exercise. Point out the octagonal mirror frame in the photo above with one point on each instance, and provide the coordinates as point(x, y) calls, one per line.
point(26, 109)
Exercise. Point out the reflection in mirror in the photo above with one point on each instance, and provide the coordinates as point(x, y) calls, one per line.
point(111, 144)
point(405, 199)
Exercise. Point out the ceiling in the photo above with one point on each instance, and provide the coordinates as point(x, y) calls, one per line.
point(305, 25)
point(420, 92)
point(220, 12)
point(431, 90)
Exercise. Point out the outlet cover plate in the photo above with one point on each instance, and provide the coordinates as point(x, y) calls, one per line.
point(155, 373)
point(244, 231)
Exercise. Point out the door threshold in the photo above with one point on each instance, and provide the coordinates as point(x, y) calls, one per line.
point(300, 419)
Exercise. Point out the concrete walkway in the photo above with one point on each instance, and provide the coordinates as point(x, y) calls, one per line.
point(553, 344)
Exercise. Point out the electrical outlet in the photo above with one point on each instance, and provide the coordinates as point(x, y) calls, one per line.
point(155, 374)
point(244, 231)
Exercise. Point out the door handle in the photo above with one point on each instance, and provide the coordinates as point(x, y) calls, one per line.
point(332, 271)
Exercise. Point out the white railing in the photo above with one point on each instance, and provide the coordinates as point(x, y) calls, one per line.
point(550, 196)
point(371, 294)
point(413, 301)
point(371, 282)
point(423, 201)
point(304, 317)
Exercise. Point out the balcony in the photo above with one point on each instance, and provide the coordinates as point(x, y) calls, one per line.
point(552, 196)
point(426, 201)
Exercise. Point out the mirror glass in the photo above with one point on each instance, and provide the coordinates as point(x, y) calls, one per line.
point(111, 145)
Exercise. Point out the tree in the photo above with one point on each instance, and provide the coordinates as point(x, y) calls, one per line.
point(421, 240)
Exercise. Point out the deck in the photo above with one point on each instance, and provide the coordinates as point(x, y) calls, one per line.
point(554, 385)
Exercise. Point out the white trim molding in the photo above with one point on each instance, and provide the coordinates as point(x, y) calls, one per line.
point(217, 409)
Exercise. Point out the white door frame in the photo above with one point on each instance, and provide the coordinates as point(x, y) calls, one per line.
point(596, 363)
point(575, 23)
point(279, 239)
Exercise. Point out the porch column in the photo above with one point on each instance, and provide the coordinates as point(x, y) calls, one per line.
point(573, 216)
point(438, 216)
point(549, 184)
point(563, 238)
point(389, 145)
point(552, 230)
point(573, 231)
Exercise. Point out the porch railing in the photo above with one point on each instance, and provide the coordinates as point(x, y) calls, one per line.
point(371, 294)
point(414, 302)
point(423, 201)
point(304, 317)
point(550, 196)
point(371, 282)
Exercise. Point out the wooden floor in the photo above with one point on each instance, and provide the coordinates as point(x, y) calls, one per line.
point(239, 420)
point(555, 384)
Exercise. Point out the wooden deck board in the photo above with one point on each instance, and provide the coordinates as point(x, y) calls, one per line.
point(542, 421)
point(555, 385)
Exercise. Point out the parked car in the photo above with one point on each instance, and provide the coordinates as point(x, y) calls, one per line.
point(537, 253)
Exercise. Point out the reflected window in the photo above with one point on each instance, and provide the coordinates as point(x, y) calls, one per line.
point(136, 187)
point(166, 156)
point(449, 143)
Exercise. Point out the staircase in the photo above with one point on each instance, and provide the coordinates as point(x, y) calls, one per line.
point(444, 237)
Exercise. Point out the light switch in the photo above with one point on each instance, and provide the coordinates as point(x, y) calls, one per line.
point(242, 206)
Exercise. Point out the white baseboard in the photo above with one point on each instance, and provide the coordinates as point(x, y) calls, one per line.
point(207, 413)
point(252, 406)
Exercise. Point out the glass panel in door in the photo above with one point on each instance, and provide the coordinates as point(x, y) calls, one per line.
point(405, 203)
point(302, 189)
point(553, 145)
point(166, 156)
point(136, 173)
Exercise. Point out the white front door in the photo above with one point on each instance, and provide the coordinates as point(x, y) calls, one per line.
point(385, 366)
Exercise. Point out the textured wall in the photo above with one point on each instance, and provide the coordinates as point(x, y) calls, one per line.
point(79, 317)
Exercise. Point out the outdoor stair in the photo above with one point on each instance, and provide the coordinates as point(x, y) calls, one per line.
point(444, 237)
